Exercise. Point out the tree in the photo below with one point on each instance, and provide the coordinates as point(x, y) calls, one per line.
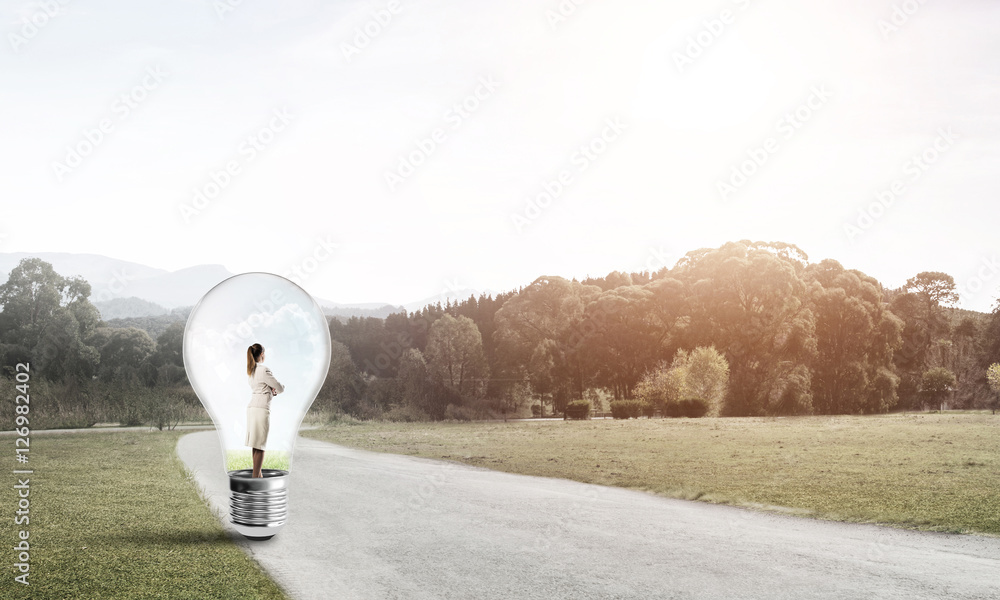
point(702, 373)
point(46, 319)
point(707, 377)
point(170, 346)
point(124, 352)
point(60, 354)
point(661, 386)
point(918, 338)
point(934, 288)
point(344, 387)
point(419, 391)
point(625, 341)
point(920, 306)
point(936, 384)
point(989, 338)
point(553, 309)
point(669, 312)
point(30, 297)
point(539, 370)
point(856, 337)
point(962, 354)
point(509, 396)
point(373, 349)
point(455, 355)
point(749, 300)
point(993, 377)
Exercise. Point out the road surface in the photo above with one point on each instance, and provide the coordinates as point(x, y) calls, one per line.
point(381, 526)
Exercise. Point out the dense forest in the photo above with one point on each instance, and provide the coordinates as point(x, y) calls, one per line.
point(750, 328)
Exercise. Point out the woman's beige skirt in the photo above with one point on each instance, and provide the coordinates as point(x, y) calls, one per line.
point(258, 420)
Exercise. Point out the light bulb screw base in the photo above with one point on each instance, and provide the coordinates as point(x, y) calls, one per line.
point(258, 506)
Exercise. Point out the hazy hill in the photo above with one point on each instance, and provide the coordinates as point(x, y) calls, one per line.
point(112, 278)
point(120, 308)
point(122, 289)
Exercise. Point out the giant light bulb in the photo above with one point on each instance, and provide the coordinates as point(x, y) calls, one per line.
point(274, 312)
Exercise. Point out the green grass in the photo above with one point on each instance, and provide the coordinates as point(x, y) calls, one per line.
point(928, 471)
point(242, 459)
point(113, 515)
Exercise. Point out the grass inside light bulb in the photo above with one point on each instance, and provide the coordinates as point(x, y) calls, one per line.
point(242, 459)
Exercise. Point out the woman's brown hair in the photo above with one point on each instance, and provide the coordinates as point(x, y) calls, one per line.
point(253, 355)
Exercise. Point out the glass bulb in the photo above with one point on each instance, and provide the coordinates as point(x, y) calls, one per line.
point(283, 318)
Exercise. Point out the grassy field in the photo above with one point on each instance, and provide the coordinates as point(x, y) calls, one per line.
point(113, 515)
point(927, 471)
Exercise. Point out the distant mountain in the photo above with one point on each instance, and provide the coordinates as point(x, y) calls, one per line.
point(455, 295)
point(112, 278)
point(154, 326)
point(125, 308)
point(346, 312)
point(122, 289)
point(179, 288)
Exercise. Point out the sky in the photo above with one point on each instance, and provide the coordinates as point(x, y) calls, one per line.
point(388, 151)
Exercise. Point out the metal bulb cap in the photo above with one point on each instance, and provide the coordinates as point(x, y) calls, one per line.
point(258, 506)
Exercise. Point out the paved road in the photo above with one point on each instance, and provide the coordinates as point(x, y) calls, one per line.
point(368, 525)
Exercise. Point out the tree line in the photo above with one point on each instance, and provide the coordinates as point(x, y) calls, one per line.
point(778, 334)
point(85, 370)
point(749, 328)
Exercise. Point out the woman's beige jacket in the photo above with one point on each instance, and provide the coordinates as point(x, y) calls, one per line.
point(262, 383)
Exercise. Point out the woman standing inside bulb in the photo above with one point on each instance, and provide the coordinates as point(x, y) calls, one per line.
point(263, 386)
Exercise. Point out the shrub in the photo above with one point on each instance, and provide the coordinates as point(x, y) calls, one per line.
point(536, 410)
point(336, 417)
point(701, 373)
point(663, 384)
point(596, 398)
point(618, 409)
point(626, 409)
point(454, 412)
point(406, 413)
point(578, 409)
point(648, 409)
point(672, 409)
point(471, 409)
point(694, 408)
